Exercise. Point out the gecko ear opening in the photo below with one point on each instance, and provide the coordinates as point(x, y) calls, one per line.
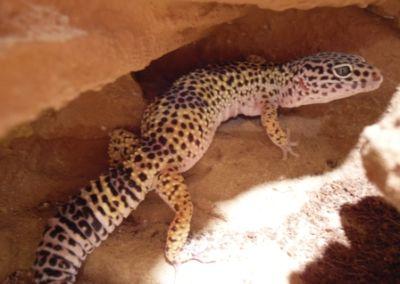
point(300, 83)
point(303, 85)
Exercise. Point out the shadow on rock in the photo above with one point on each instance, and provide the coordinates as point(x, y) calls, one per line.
point(373, 231)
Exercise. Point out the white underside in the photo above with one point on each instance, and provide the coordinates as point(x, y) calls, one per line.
point(251, 108)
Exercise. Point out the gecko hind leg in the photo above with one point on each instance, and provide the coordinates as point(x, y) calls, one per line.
point(122, 145)
point(172, 189)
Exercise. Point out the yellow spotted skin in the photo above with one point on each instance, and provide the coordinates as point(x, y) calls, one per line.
point(122, 144)
point(177, 128)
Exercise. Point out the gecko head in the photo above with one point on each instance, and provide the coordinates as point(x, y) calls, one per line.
point(328, 76)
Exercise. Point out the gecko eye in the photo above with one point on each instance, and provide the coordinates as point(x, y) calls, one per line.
point(343, 70)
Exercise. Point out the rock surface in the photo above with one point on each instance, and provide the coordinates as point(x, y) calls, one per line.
point(381, 153)
point(51, 51)
point(280, 5)
point(261, 218)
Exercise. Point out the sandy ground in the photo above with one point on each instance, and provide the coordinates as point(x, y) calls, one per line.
point(312, 219)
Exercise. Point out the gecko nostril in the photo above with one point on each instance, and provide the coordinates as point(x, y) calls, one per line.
point(376, 76)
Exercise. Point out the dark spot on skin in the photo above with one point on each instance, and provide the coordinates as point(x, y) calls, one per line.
point(57, 230)
point(101, 210)
point(94, 198)
point(80, 201)
point(52, 272)
point(162, 140)
point(172, 149)
point(142, 177)
point(114, 172)
point(131, 194)
point(61, 238)
point(99, 186)
point(132, 183)
point(123, 199)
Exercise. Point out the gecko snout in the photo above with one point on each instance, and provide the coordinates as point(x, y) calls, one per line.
point(376, 76)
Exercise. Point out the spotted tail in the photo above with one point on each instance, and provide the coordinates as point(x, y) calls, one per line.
point(85, 221)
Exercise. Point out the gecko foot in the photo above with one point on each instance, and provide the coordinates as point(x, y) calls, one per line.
point(176, 265)
point(186, 257)
point(288, 147)
point(194, 249)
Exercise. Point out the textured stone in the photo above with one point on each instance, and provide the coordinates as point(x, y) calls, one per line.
point(50, 51)
point(381, 153)
point(280, 5)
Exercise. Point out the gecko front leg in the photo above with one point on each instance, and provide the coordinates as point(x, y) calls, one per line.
point(269, 119)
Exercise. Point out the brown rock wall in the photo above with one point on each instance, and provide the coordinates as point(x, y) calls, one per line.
point(51, 51)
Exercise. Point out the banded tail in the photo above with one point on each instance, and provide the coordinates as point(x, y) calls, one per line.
point(86, 220)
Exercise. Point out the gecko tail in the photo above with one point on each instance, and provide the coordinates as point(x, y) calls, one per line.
point(85, 221)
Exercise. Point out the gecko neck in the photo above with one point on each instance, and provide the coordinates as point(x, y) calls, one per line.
point(270, 86)
point(288, 89)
